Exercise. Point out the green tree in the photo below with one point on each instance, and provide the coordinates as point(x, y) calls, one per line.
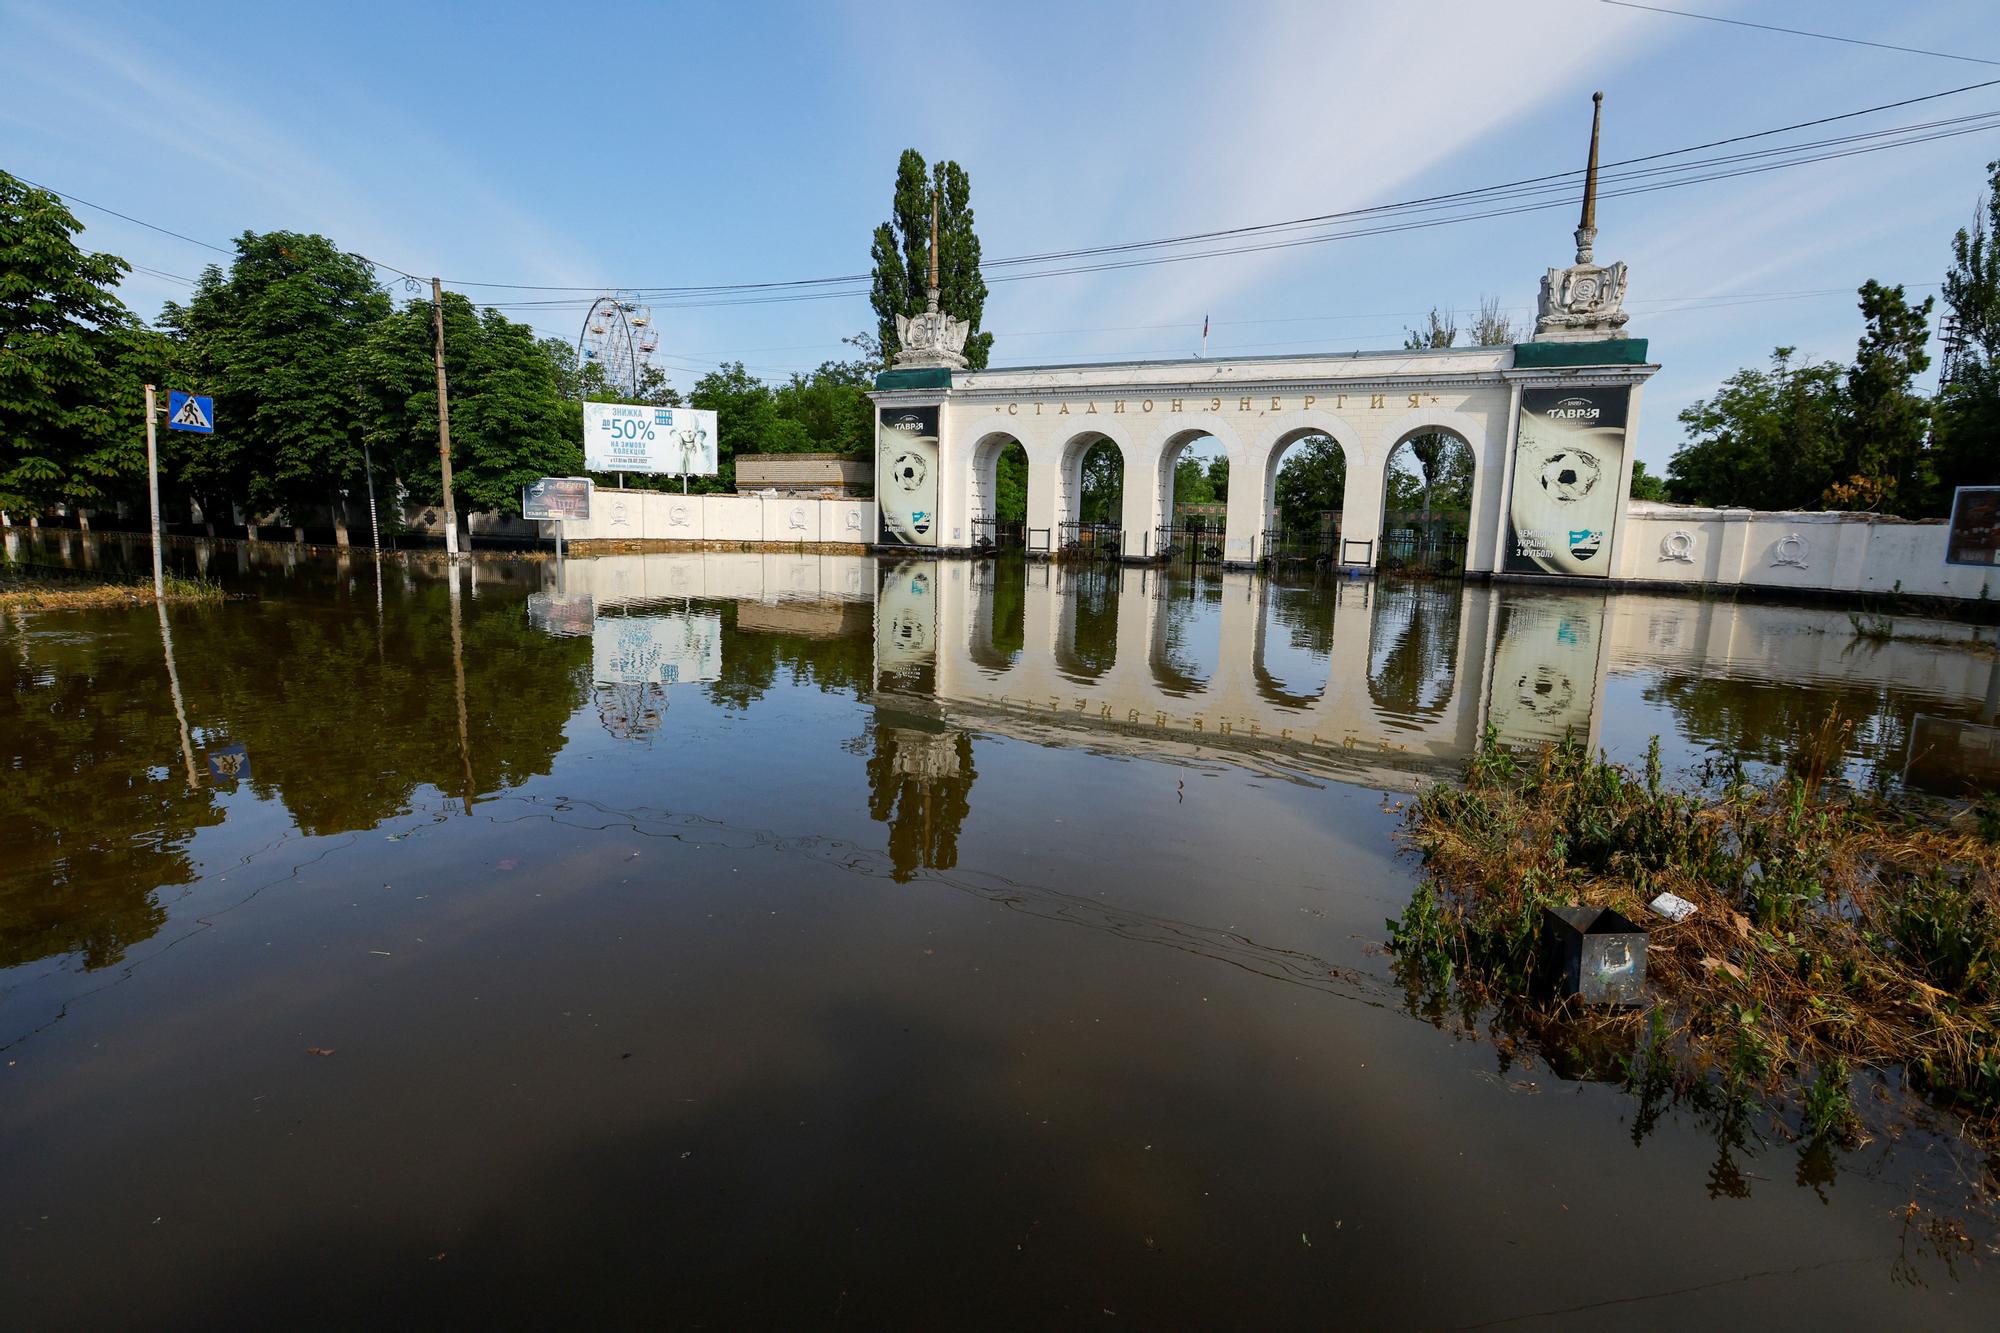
point(1439, 330)
point(1191, 483)
point(745, 419)
point(1768, 439)
point(1966, 431)
point(1103, 472)
point(279, 340)
point(510, 420)
point(1493, 327)
point(1311, 481)
point(831, 408)
point(1646, 486)
point(1010, 484)
point(72, 362)
point(1886, 420)
point(901, 253)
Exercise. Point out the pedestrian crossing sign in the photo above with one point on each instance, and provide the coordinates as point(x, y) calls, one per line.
point(186, 411)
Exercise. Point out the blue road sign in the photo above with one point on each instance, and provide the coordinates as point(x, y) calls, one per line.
point(187, 411)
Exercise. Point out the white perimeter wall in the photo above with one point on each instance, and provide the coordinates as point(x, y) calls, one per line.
point(1808, 551)
point(661, 516)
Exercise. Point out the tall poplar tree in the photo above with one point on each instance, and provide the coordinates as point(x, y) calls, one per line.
point(901, 250)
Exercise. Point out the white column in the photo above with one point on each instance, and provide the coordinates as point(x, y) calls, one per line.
point(1361, 506)
point(1249, 499)
point(1142, 504)
point(1044, 497)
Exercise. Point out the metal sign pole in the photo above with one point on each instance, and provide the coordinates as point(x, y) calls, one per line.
point(153, 498)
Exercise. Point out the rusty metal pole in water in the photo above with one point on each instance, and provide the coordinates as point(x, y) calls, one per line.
point(153, 498)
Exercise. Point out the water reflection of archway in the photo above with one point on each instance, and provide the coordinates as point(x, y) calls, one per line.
point(999, 623)
point(1413, 649)
point(1305, 615)
point(1087, 645)
point(1187, 635)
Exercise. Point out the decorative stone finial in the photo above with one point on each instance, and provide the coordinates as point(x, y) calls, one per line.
point(932, 338)
point(1586, 300)
point(1586, 226)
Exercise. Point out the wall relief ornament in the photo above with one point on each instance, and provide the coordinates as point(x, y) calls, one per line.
point(1791, 549)
point(1678, 546)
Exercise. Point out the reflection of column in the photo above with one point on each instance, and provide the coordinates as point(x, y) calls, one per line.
point(458, 677)
point(919, 778)
point(1234, 682)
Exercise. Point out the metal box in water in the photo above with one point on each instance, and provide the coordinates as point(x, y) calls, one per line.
point(1595, 954)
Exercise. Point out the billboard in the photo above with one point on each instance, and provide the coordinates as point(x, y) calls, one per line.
point(1569, 465)
point(1974, 536)
point(623, 437)
point(556, 498)
point(906, 480)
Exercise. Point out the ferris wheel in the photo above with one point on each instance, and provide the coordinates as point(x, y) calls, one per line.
point(618, 336)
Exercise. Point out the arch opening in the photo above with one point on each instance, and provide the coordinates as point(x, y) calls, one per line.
point(999, 501)
point(1427, 502)
point(1091, 498)
point(1305, 490)
point(1193, 486)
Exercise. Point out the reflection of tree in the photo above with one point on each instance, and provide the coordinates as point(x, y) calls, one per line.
point(1307, 615)
point(1751, 720)
point(95, 813)
point(919, 777)
point(1181, 608)
point(359, 716)
point(1413, 647)
point(752, 663)
point(1093, 609)
point(1003, 587)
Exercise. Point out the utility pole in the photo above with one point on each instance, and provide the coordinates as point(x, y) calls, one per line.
point(444, 423)
point(153, 498)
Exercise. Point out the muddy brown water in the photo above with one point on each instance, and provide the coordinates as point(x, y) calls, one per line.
point(754, 940)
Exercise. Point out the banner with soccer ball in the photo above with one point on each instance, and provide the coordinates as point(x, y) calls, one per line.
point(1569, 458)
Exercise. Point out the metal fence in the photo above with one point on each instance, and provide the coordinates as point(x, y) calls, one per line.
point(1438, 551)
point(1191, 541)
point(1091, 541)
point(1315, 548)
point(990, 532)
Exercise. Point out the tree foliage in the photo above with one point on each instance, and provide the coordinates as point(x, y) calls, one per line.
point(1768, 439)
point(72, 361)
point(1312, 480)
point(1966, 428)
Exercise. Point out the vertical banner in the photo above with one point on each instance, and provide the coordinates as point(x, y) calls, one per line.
point(1569, 461)
point(906, 474)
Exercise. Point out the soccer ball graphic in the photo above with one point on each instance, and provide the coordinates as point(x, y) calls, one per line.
point(1570, 475)
point(908, 470)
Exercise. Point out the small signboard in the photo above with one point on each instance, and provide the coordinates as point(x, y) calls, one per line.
point(190, 411)
point(556, 498)
point(1974, 535)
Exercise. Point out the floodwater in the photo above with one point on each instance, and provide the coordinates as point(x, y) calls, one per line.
point(743, 940)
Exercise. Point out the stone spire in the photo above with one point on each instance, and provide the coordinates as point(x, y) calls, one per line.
point(1586, 300)
point(1586, 226)
point(932, 338)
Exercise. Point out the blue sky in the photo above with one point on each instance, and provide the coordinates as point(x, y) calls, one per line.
point(652, 144)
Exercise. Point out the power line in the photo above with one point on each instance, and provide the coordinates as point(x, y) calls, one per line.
point(1546, 181)
point(1801, 32)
